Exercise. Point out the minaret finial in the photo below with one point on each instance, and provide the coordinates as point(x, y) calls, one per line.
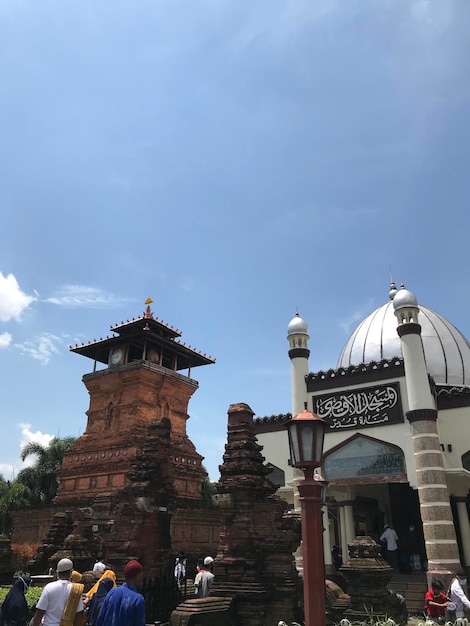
point(393, 288)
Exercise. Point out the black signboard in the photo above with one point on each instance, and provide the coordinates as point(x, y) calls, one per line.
point(378, 405)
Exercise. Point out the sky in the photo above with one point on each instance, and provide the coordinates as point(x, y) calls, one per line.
point(236, 161)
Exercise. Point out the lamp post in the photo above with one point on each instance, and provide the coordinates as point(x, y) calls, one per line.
point(306, 435)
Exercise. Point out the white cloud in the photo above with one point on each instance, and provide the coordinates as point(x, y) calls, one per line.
point(5, 340)
point(82, 296)
point(10, 470)
point(13, 301)
point(28, 436)
point(42, 347)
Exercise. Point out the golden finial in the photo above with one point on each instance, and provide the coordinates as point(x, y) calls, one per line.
point(148, 311)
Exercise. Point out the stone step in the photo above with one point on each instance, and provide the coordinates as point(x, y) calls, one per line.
point(413, 588)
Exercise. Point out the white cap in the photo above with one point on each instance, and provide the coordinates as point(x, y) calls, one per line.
point(99, 567)
point(64, 565)
point(208, 560)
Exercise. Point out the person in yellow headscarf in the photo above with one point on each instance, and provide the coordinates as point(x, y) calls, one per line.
point(76, 576)
point(106, 574)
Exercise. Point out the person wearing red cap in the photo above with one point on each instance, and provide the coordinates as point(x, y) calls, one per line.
point(124, 605)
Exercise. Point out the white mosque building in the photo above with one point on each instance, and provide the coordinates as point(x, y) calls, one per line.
point(397, 448)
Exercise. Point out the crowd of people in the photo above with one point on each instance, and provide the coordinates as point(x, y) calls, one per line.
point(203, 578)
point(66, 602)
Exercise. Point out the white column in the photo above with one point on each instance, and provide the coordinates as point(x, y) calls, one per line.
point(439, 532)
point(299, 370)
point(326, 537)
point(464, 529)
point(343, 538)
point(297, 335)
point(349, 523)
point(417, 382)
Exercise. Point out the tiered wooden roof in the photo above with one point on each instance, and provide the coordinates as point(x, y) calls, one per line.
point(147, 331)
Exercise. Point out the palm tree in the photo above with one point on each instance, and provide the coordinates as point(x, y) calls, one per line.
point(10, 494)
point(40, 480)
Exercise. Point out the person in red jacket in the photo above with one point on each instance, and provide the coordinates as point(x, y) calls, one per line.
point(435, 601)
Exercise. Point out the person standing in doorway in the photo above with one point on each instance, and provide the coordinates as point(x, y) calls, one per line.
point(180, 569)
point(390, 537)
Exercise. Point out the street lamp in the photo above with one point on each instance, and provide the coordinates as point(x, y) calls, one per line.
point(306, 435)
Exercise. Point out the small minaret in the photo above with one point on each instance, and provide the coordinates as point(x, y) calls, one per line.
point(297, 336)
point(436, 513)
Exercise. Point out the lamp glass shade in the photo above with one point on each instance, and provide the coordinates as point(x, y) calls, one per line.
point(294, 446)
point(306, 442)
point(320, 436)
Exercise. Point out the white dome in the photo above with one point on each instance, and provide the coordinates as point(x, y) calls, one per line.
point(446, 350)
point(297, 326)
point(404, 299)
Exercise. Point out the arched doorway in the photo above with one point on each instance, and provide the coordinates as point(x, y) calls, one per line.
point(368, 487)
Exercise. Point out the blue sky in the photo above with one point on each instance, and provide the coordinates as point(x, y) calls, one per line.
point(235, 161)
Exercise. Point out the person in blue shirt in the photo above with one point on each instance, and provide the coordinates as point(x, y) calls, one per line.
point(124, 605)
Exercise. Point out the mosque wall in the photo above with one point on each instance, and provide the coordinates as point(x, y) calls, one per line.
point(453, 426)
point(276, 451)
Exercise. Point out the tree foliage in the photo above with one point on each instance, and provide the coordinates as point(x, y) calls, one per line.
point(208, 489)
point(11, 493)
point(34, 485)
point(40, 479)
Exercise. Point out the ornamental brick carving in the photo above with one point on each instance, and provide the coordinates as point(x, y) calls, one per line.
point(254, 561)
point(367, 574)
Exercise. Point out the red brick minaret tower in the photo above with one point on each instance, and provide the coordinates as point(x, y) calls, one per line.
point(146, 378)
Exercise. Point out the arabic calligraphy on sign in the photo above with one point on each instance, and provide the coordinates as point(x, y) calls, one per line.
point(359, 408)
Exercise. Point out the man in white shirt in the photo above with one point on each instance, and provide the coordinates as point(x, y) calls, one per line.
point(204, 579)
point(390, 537)
point(458, 597)
point(51, 604)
